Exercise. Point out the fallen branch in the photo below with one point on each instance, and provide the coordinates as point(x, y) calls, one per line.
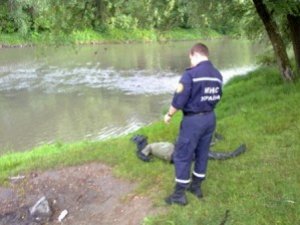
point(225, 217)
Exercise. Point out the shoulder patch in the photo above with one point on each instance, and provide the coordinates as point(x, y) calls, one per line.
point(179, 88)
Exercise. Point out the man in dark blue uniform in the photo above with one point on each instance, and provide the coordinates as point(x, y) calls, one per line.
point(198, 92)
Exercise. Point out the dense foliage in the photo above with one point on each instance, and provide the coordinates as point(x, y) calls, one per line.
point(29, 16)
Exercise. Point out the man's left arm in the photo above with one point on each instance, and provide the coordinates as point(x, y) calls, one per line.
point(172, 110)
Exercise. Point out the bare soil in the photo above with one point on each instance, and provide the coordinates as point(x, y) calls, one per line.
point(90, 194)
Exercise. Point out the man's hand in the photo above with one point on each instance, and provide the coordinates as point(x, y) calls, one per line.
point(167, 118)
point(172, 110)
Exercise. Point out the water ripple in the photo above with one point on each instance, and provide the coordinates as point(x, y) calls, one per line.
point(64, 80)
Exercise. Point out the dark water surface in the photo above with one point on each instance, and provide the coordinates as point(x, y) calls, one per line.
point(95, 92)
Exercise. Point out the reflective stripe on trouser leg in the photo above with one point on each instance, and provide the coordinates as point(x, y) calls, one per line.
point(199, 175)
point(182, 181)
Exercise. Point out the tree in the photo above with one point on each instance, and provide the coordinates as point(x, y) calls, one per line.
point(287, 14)
point(276, 40)
point(294, 24)
point(280, 21)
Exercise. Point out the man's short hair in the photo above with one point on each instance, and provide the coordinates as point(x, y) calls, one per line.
point(200, 48)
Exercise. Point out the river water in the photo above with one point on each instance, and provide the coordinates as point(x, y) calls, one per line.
point(95, 92)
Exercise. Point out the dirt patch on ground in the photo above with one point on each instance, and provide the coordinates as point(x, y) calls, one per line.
point(90, 194)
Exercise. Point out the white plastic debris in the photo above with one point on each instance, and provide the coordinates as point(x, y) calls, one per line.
point(41, 208)
point(62, 215)
point(290, 201)
point(19, 177)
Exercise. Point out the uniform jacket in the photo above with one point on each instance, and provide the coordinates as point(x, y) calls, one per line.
point(199, 89)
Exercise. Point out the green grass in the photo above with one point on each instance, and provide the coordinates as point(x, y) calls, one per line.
point(259, 187)
point(11, 40)
point(192, 34)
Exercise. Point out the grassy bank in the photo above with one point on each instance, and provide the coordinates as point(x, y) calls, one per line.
point(259, 187)
point(107, 36)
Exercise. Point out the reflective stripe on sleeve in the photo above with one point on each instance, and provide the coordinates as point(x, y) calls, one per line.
point(200, 175)
point(199, 79)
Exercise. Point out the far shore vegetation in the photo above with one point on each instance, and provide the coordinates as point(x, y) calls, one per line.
point(259, 187)
point(89, 36)
point(30, 22)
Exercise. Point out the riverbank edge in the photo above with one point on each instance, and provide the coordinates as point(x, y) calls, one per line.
point(257, 109)
point(92, 37)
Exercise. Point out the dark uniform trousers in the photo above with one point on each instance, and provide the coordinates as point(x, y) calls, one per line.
point(193, 143)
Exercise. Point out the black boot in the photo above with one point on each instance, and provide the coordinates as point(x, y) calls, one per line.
point(178, 196)
point(141, 142)
point(195, 187)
